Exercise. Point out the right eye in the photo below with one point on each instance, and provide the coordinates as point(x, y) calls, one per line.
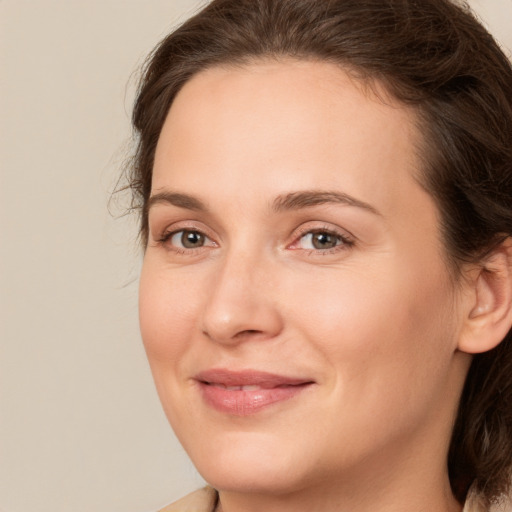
point(186, 239)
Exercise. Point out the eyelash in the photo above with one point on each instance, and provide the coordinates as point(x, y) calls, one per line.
point(345, 242)
point(168, 235)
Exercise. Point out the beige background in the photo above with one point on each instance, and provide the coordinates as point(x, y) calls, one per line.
point(80, 426)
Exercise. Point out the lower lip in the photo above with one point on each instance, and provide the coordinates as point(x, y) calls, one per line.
point(247, 402)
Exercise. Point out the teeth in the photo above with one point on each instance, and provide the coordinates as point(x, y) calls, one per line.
point(242, 388)
point(238, 388)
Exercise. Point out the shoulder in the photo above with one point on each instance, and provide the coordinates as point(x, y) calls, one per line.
point(203, 500)
point(475, 503)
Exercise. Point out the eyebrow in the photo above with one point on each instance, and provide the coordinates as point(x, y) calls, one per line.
point(292, 201)
point(309, 198)
point(178, 199)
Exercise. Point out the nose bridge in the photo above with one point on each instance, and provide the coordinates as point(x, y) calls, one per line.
point(240, 303)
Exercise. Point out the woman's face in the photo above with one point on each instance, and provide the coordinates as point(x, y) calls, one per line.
point(295, 304)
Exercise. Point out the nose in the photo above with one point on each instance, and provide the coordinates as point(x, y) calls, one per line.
point(242, 303)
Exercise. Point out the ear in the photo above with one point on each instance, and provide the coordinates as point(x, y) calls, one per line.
point(489, 307)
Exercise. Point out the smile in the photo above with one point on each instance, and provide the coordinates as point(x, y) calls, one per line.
point(237, 388)
point(247, 392)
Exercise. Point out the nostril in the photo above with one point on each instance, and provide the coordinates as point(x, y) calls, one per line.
point(247, 332)
point(226, 320)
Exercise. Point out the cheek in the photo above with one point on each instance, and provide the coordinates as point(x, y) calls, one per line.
point(381, 327)
point(388, 346)
point(167, 313)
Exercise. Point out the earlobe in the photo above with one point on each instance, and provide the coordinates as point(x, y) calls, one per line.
point(489, 317)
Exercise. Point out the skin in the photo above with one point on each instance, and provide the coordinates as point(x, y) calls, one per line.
point(374, 321)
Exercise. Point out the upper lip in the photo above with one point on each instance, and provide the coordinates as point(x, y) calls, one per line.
point(225, 377)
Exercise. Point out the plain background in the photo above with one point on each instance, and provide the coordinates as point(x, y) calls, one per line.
point(80, 425)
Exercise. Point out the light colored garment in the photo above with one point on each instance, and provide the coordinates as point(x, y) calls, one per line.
point(205, 500)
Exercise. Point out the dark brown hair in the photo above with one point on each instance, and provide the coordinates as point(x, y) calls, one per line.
point(432, 55)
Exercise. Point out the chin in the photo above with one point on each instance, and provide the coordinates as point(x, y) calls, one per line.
point(249, 462)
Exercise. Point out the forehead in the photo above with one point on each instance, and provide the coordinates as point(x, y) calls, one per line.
point(302, 121)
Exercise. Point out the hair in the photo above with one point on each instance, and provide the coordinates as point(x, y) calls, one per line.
point(432, 55)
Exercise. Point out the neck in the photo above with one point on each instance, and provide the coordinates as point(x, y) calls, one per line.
point(345, 497)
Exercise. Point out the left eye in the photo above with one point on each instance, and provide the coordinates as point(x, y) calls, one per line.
point(320, 240)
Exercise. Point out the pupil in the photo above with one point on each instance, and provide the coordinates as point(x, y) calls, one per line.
point(191, 239)
point(323, 241)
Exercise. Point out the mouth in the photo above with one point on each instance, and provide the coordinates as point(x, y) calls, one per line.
point(247, 392)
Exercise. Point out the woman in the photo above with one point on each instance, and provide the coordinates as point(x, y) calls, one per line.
point(325, 299)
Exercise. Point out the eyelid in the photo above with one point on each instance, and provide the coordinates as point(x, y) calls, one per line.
point(170, 235)
point(162, 236)
point(347, 239)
